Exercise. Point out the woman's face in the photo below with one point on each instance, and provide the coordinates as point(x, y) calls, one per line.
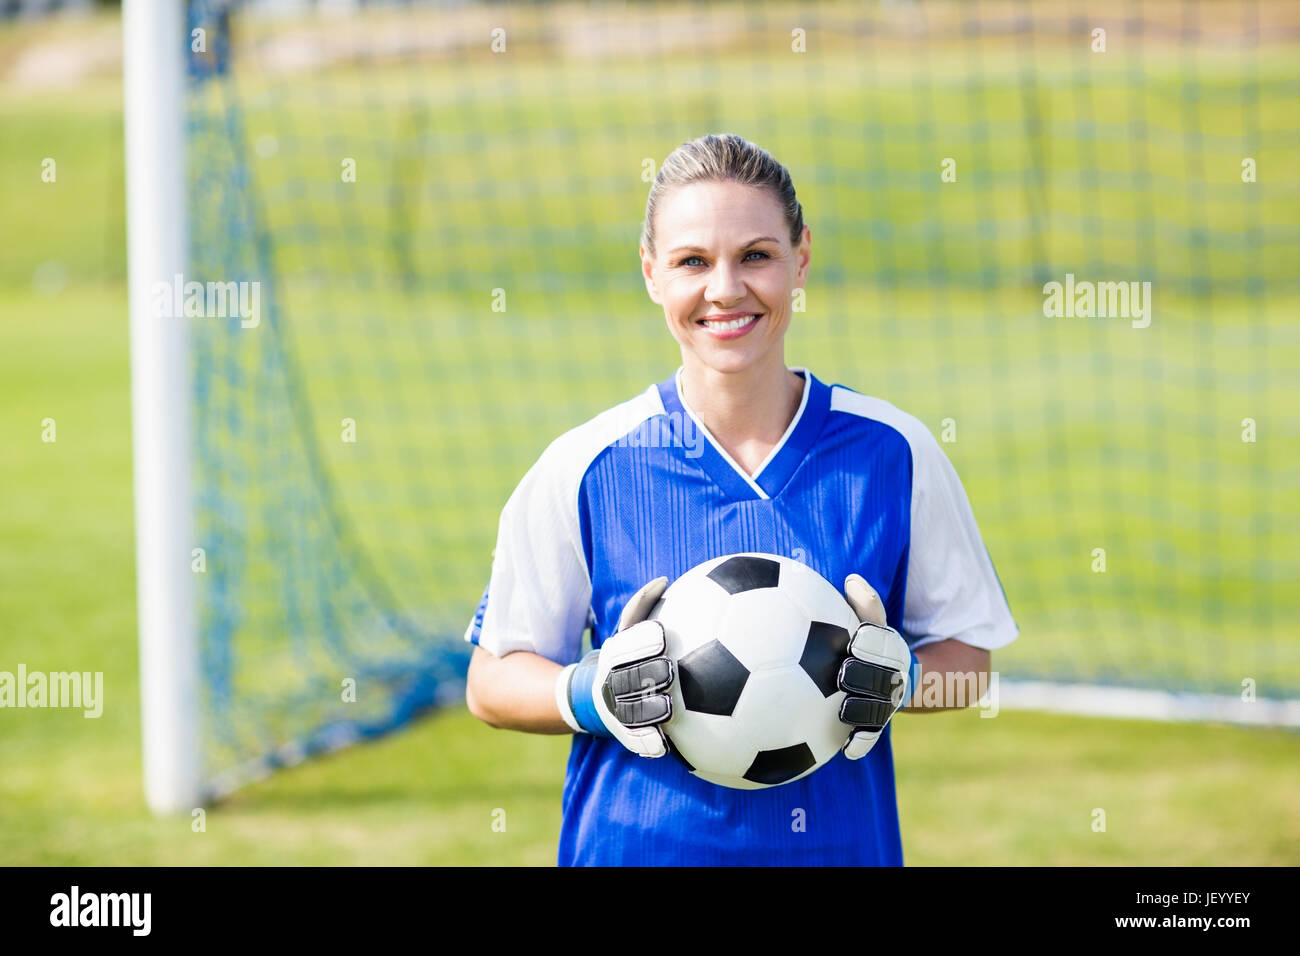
point(723, 256)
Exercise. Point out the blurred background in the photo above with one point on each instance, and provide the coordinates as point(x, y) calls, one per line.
point(441, 203)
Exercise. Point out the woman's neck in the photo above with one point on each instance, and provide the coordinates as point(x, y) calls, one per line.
point(747, 412)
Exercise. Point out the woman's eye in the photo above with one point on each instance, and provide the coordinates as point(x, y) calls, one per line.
point(688, 260)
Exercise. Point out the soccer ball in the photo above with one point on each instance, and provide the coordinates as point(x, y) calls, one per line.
point(757, 641)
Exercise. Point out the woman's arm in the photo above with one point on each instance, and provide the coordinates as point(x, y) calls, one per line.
point(953, 675)
point(515, 692)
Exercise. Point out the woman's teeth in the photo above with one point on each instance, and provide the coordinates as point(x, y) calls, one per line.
point(727, 325)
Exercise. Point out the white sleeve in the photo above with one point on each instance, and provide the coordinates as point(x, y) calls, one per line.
point(952, 589)
point(539, 592)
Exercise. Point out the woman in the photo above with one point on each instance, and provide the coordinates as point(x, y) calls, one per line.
point(619, 506)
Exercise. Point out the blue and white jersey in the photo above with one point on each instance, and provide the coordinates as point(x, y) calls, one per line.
point(643, 490)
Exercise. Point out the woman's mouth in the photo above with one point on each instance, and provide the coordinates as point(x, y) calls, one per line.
point(730, 328)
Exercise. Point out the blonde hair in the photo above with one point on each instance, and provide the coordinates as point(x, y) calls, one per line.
point(723, 157)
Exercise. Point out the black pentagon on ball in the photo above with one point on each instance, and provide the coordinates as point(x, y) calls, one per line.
point(777, 766)
point(744, 573)
point(824, 650)
point(711, 679)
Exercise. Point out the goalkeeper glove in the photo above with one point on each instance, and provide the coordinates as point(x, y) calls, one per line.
point(620, 689)
point(879, 674)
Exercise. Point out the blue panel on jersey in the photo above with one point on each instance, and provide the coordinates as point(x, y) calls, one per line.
point(840, 501)
point(476, 626)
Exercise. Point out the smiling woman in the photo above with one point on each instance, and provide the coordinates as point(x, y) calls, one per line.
point(726, 288)
point(849, 484)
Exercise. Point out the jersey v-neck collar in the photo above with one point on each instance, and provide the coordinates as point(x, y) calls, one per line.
point(780, 465)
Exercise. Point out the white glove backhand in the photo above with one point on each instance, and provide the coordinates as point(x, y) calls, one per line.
point(875, 674)
point(620, 690)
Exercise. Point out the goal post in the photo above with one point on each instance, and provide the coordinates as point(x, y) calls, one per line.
point(154, 85)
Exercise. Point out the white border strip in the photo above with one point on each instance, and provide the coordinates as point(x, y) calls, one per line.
point(1095, 700)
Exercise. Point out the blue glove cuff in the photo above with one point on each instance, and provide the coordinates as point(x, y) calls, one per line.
point(913, 677)
point(582, 688)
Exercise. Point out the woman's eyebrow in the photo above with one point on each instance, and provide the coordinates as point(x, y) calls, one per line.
point(700, 249)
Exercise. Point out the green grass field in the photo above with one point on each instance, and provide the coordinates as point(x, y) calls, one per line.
point(1018, 789)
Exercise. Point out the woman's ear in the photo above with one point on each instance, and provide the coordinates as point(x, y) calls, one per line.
point(647, 270)
point(803, 254)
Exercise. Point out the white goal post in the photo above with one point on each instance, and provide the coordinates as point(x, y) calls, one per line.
point(154, 90)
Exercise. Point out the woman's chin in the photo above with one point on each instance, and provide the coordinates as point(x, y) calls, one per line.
point(727, 361)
